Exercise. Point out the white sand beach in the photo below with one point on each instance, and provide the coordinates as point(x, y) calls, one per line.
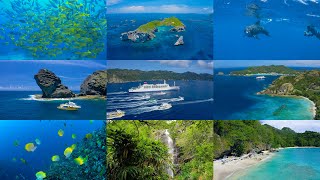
point(227, 168)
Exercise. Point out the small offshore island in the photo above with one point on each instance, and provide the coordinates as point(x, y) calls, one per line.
point(94, 86)
point(240, 146)
point(147, 31)
point(291, 83)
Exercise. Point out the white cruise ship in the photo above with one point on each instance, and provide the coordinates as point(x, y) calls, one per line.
point(153, 87)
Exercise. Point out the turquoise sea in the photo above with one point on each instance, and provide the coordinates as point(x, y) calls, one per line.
point(295, 163)
point(235, 97)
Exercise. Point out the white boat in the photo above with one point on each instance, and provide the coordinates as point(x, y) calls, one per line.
point(181, 98)
point(153, 87)
point(69, 106)
point(160, 93)
point(115, 114)
point(260, 77)
point(164, 106)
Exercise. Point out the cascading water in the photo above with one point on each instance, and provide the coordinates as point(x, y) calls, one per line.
point(170, 145)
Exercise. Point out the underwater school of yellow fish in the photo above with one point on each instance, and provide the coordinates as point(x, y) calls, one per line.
point(58, 29)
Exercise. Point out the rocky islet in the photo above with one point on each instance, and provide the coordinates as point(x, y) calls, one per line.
point(52, 87)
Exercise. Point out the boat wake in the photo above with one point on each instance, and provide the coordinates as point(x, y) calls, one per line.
point(34, 98)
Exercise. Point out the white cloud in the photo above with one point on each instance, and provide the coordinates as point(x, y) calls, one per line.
point(113, 2)
point(79, 63)
point(205, 64)
point(132, 9)
point(167, 8)
point(179, 63)
point(297, 126)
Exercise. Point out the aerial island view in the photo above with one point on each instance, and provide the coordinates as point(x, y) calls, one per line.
point(53, 90)
point(278, 30)
point(160, 89)
point(277, 149)
point(271, 90)
point(42, 149)
point(53, 29)
point(177, 29)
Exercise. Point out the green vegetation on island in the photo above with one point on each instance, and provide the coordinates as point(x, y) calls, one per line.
point(140, 149)
point(238, 137)
point(306, 84)
point(126, 75)
point(272, 69)
point(151, 26)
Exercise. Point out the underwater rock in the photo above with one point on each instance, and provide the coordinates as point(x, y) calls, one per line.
point(95, 84)
point(51, 86)
point(179, 41)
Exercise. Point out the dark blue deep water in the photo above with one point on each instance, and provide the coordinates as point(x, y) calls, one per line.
point(285, 20)
point(198, 38)
point(197, 103)
point(235, 98)
point(21, 105)
point(24, 132)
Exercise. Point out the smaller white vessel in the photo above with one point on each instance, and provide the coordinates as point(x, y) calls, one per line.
point(260, 77)
point(115, 114)
point(164, 106)
point(181, 98)
point(69, 106)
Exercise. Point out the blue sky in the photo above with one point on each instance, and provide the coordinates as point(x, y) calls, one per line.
point(18, 75)
point(297, 126)
point(246, 63)
point(160, 6)
point(169, 65)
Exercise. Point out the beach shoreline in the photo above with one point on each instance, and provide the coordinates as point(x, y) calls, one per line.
point(230, 167)
point(234, 167)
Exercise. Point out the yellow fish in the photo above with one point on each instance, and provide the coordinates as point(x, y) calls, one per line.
point(74, 136)
point(41, 175)
point(60, 132)
point(67, 152)
point(88, 136)
point(73, 146)
point(55, 158)
point(30, 147)
point(79, 160)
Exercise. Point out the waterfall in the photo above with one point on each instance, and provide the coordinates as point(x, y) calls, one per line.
point(170, 145)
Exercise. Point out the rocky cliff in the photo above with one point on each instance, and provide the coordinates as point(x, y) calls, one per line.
point(95, 84)
point(51, 85)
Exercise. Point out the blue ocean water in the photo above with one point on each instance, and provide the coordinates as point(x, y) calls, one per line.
point(22, 21)
point(286, 22)
point(21, 105)
point(297, 163)
point(198, 38)
point(23, 132)
point(235, 98)
point(197, 103)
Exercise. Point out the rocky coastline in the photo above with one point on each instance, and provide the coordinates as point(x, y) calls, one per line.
point(93, 86)
point(145, 33)
point(302, 86)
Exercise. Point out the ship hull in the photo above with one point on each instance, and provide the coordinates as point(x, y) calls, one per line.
point(153, 90)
